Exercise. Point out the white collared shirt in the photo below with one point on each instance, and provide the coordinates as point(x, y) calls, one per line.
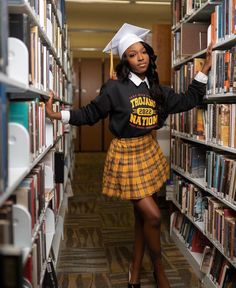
point(136, 80)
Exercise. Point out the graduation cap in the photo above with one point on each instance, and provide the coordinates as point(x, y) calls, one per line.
point(126, 36)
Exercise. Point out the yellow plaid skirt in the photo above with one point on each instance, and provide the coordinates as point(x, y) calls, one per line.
point(134, 168)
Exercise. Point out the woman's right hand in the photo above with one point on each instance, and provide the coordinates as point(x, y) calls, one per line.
point(49, 108)
point(49, 104)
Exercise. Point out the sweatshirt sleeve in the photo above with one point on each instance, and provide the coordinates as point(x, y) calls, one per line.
point(180, 102)
point(90, 114)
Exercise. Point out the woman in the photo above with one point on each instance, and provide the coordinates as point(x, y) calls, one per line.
point(135, 167)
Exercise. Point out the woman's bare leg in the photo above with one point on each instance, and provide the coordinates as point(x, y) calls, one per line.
point(139, 246)
point(151, 215)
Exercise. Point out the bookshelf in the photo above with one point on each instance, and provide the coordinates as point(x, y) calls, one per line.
point(35, 58)
point(203, 191)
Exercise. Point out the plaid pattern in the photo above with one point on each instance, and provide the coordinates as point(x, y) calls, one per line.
point(134, 168)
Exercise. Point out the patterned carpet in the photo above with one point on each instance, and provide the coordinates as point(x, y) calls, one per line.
point(98, 237)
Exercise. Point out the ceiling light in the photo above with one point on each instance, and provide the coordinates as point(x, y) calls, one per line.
point(100, 1)
point(121, 2)
point(152, 2)
point(90, 49)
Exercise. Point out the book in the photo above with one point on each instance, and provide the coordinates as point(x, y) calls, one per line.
point(3, 139)
point(199, 206)
point(11, 266)
point(19, 27)
point(199, 241)
point(50, 278)
point(224, 114)
point(59, 167)
point(197, 32)
point(207, 259)
point(3, 35)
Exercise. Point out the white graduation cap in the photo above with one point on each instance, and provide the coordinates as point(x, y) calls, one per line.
point(126, 36)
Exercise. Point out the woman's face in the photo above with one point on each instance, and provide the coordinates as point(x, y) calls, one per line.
point(138, 58)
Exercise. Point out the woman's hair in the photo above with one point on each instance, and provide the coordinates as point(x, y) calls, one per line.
point(123, 69)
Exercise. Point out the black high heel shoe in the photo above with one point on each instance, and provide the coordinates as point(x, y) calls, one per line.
point(134, 285)
point(155, 277)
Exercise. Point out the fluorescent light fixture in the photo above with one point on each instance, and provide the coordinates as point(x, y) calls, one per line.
point(152, 2)
point(100, 1)
point(121, 2)
point(85, 30)
point(88, 49)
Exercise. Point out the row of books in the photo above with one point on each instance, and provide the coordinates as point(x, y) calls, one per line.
point(36, 260)
point(222, 77)
point(47, 18)
point(184, 76)
point(188, 157)
point(33, 193)
point(216, 170)
point(217, 218)
point(192, 122)
point(223, 21)
point(40, 134)
point(217, 267)
point(6, 223)
point(37, 272)
point(194, 239)
point(48, 22)
point(182, 47)
point(220, 175)
point(213, 263)
point(222, 27)
point(220, 225)
point(220, 124)
point(44, 71)
point(182, 9)
point(60, 6)
point(47, 12)
point(215, 124)
point(31, 115)
point(189, 197)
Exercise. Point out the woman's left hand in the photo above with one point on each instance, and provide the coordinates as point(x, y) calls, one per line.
point(208, 60)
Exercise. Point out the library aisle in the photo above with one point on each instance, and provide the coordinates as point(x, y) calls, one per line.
point(98, 237)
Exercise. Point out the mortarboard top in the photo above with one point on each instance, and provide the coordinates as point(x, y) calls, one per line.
point(126, 36)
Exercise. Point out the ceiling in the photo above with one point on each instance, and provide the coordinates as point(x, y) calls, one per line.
point(92, 26)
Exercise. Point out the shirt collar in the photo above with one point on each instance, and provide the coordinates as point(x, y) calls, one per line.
point(136, 80)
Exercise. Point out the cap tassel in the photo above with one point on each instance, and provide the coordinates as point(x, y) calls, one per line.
point(111, 65)
point(112, 72)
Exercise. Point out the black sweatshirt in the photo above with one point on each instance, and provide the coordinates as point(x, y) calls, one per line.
point(131, 110)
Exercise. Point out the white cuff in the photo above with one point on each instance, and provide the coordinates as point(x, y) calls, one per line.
point(65, 116)
point(201, 77)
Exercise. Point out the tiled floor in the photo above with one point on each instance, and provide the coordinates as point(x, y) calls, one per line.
point(97, 246)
